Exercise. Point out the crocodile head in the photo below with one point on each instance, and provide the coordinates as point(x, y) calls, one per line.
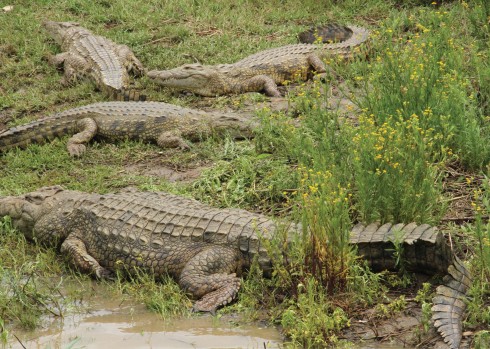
point(204, 80)
point(58, 30)
point(25, 210)
point(237, 127)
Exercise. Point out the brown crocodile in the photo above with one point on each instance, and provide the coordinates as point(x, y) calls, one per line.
point(205, 249)
point(262, 71)
point(89, 55)
point(166, 124)
point(326, 33)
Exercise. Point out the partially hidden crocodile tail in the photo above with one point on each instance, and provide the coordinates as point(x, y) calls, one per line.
point(326, 33)
point(449, 303)
point(126, 95)
point(424, 249)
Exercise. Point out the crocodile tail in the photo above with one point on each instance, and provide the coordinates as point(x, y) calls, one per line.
point(126, 95)
point(327, 33)
point(449, 303)
point(37, 132)
point(426, 250)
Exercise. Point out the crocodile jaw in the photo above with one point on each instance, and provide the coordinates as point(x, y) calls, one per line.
point(25, 210)
point(189, 77)
point(22, 213)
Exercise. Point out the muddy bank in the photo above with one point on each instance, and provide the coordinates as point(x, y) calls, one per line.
point(109, 322)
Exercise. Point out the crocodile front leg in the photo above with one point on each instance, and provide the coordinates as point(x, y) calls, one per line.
point(76, 250)
point(211, 276)
point(74, 224)
point(74, 66)
point(88, 128)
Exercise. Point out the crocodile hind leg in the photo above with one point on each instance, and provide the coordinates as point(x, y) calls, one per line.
point(88, 129)
point(129, 60)
point(320, 67)
point(211, 276)
point(172, 139)
point(261, 83)
point(59, 59)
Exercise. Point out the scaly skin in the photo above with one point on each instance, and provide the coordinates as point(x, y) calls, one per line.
point(262, 71)
point(89, 55)
point(166, 124)
point(205, 249)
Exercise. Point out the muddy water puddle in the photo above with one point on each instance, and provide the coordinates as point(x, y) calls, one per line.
point(106, 322)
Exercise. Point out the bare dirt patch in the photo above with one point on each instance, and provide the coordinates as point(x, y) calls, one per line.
point(404, 328)
point(172, 173)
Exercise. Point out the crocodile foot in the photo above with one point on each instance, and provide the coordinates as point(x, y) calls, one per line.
point(218, 298)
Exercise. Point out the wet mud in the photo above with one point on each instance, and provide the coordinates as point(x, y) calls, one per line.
point(108, 323)
point(104, 320)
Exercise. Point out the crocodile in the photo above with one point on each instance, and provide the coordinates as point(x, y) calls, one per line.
point(262, 71)
point(326, 33)
point(166, 124)
point(89, 55)
point(206, 249)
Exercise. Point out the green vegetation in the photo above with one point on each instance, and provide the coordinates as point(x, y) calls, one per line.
point(417, 125)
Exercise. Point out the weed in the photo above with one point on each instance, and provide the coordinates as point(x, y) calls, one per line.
point(424, 297)
point(482, 339)
point(479, 307)
point(27, 291)
point(394, 307)
point(326, 228)
point(424, 74)
point(162, 296)
point(364, 286)
point(4, 333)
point(311, 321)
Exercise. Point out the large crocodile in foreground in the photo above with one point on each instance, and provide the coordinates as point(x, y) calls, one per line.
point(166, 124)
point(89, 55)
point(262, 71)
point(205, 249)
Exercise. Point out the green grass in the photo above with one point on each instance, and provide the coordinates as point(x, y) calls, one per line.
point(422, 105)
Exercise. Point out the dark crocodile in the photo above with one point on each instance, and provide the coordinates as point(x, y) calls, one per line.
point(165, 124)
point(262, 71)
point(326, 33)
point(205, 249)
point(89, 55)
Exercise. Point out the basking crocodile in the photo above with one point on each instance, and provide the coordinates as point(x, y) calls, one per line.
point(326, 33)
point(262, 71)
point(205, 249)
point(166, 124)
point(86, 54)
